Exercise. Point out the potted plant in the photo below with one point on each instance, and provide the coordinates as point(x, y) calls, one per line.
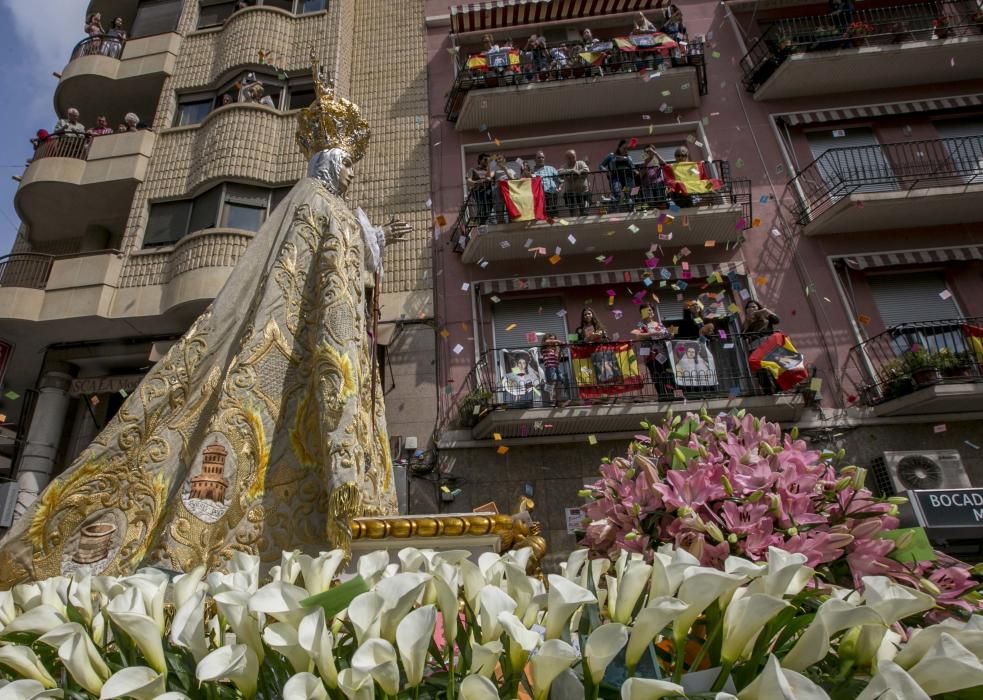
point(825, 38)
point(923, 366)
point(859, 31)
point(941, 26)
point(955, 364)
point(473, 405)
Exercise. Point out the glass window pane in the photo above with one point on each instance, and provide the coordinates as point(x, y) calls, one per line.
point(204, 213)
point(301, 97)
point(192, 112)
point(167, 224)
point(243, 217)
point(214, 15)
point(278, 194)
point(287, 5)
point(155, 17)
point(312, 5)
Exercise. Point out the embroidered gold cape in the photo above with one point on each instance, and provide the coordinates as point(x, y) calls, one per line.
point(256, 432)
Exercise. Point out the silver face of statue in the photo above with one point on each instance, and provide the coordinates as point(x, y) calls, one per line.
point(346, 174)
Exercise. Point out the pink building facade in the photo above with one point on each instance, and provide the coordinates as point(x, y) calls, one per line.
point(846, 153)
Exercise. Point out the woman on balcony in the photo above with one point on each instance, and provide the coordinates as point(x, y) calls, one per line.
point(115, 38)
point(93, 27)
point(621, 175)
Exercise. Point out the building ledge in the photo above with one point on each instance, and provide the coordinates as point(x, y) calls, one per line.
point(938, 398)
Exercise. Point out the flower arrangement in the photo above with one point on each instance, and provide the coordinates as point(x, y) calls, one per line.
point(436, 624)
point(860, 29)
point(941, 26)
point(736, 485)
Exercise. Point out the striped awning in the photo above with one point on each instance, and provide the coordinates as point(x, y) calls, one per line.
point(913, 257)
point(697, 272)
point(494, 14)
point(835, 115)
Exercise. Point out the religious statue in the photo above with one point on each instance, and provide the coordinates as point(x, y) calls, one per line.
point(263, 428)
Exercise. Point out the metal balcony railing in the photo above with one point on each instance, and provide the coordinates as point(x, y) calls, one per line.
point(25, 270)
point(609, 192)
point(63, 146)
point(607, 373)
point(891, 167)
point(99, 45)
point(910, 356)
point(854, 28)
point(602, 61)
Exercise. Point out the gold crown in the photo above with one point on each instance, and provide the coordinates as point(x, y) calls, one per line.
point(331, 122)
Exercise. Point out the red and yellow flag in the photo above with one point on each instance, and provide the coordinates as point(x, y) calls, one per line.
point(685, 177)
point(524, 199)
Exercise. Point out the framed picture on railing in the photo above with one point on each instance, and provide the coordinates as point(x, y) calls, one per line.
point(521, 375)
point(693, 364)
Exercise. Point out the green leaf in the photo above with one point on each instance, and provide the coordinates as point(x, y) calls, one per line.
point(917, 550)
point(336, 599)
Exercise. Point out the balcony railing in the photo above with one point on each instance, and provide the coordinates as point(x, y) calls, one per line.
point(63, 146)
point(608, 373)
point(25, 270)
point(578, 64)
point(610, 192)
point(855, 28)
point(891, 167)
point(99, 45)
point(911, 356)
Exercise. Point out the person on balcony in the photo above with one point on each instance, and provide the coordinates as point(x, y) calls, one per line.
point(685, 178)
point(576, 184)
point(551, 183)
point(101, 128)
point(70, 124)
point(642, 25)
point(653, 348)
point(653, 182)
point(621, 174)
point(552, 354)
point(673, 24)
point(93, 28)
point(246, 87)
point(112, 45)
point(759, 323)
point(480, 181)
point(260, 97)
point(132, 122)
point(689, 328)
point(559, 61)
point(590, 329)
point(500, 171)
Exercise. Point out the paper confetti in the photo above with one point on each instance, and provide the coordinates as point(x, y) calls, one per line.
point(441, 220)
point(863, 319)
point(444, 333)
point(709, 244)
point(945, 294)
point(504, 244)
point(12, 395)
point(940, 428)
point(561, 313)
point(94, 400)
point(497, 437)
point(633, 228)
point(971, 444)
point(502, 449)
point(122, 392)
point(458, 349)
point(816, 385)
point(572, 239)
point(510, 327)
point(776, 233)
point(554, 259)
point(592, 439)
point(764, 199)
point(495, 299)
point(465, 287)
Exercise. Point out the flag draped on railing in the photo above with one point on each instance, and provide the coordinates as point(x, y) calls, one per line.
point(605, 369)
point(524, 199)
point(685, 177)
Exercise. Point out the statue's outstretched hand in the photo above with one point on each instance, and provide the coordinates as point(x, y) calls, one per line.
point(396, 230)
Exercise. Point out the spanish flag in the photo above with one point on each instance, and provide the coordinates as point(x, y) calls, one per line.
point(974, 334)
point(605, 369)
point(477, 62)
point(524, 199)
point(685, 177)
point(777, 355)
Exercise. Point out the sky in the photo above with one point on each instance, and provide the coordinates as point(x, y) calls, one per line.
point(36, 39)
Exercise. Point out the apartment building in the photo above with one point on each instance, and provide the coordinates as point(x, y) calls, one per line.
point(836, 155)
point(126, 237)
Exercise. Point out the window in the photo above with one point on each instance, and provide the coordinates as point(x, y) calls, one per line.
point(214, 14)
point(300, 96)
point(167, 223)
point(307, 6)
point(856, 158)
point(277, 196)
point(192, 110)
point(204, 212)
point(916, 298)
point(156, 17)
point(287, 5)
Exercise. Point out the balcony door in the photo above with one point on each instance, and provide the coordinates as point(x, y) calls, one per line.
point(851, 160)
point(519, 326)
point(963, 140)
point(918, 310)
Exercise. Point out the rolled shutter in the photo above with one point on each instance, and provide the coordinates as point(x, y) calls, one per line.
point(964, 143)
point(156, 17)
point(538, 315)
point(864, 161)
point(911, 298)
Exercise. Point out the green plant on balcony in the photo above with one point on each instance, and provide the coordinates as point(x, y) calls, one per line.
point(896, 380)
point(955, 364)
point(923, 366)
point(859, 31)
point(472, 406)
point(941, 26)
point(977, 19)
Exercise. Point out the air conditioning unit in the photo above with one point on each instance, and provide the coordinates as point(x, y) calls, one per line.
point(897, 472)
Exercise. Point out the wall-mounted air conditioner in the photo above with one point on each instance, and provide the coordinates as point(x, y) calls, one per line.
point(897, 472)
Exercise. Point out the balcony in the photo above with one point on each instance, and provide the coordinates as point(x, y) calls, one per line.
point(36, 287)
point(638, 215)
point(107, 77)
point(891, 186)
point(606, 81)
point(90, 180)
point(888, 47)
point(491, 401)
point(920, 368)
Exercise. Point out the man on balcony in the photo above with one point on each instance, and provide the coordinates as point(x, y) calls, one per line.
point(70, 124)
point(480, 183)
point(576, 184)
point(551, 183)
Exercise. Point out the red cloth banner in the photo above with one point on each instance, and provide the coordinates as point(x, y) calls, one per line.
point(777, 355)
point(605, 369)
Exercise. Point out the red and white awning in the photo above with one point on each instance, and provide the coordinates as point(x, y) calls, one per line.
point(494, 14)
point(924, 256)
point(881, 110)
point(697, 271)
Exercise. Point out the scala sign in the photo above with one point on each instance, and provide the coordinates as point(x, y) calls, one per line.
point(948, 507)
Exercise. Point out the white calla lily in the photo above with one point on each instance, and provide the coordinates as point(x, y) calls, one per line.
point(143, 630)
point(8, 610)
point(282, 638)
point(319, 571)
point(234, 606)
point(494, 601)
point(522, 641)
point(356, 685)
point(186, 585)
point(630, 587)
point(23, 661)
point(947, 667)
point(478, 688)
point(564, 599)
point(649, 689)
point(188, 626)
point(649, 622)
point(247, 567)
point(553, 658)
point(27, 689)
point(377, 657)
point(372, 566)
point(893, 601)
point(26, 595)
point(173, 695)
point(786, 574)
point(412, 560)
point(304, 686)
point(700, 587)
point(316, 639)
point(744, 619)
point(280, 600)
point(79, 655)
point(776, 683)
point(473, 582)
point(603, 645)
point(80, 595)
point(38, 620)
point(288, 569)
point(364, 612)
point(485, 657)
point(446, 594)
point(236, 662)
point(744, 567)
point(136, 682)
point(833, 616)
point(413, 635)
point(969, 634)
point(567, 685)
point(399, 593)
point(892, 681)
point(573, 568)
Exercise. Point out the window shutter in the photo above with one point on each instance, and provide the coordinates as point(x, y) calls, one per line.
point(965, 144)
point(248, 195)
point(528, 318)
point(852, 165)
point(156, 17)
point(204, 213)
point(911, 297)
point(167, 223)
